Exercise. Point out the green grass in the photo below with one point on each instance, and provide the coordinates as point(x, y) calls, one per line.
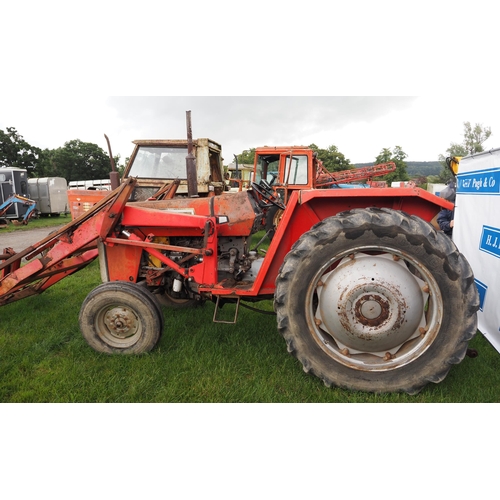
point(37, 223)
point(44, 358)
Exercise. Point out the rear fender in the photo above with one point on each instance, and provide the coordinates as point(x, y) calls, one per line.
point(307, 208)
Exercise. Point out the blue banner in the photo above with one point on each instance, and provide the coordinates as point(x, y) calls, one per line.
point(479, 182)
point(490, 241)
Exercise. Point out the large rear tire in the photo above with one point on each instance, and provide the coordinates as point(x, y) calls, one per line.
point(376, 300)
point(120, 317)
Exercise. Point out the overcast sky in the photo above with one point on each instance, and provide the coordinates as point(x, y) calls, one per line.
point(58, 70)
point(360, 127)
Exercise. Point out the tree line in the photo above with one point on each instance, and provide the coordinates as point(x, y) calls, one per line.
point(78, 160)
point(335, 161)
point(75, 161)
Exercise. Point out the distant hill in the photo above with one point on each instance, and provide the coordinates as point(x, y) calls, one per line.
point(415, 168)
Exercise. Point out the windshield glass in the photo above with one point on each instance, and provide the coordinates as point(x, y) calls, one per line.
point(267, 168)
point(159, 163)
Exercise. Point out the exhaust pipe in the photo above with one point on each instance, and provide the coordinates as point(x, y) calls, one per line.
point(192, 179)
point(114, 176)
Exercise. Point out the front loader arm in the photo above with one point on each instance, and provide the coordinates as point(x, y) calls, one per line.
point(62, 253)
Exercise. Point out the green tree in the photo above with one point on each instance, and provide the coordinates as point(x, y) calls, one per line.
point(332, 158)
point(398, 156)
point(16, 152)
point(76, 161)
point(474, 137)
point(472, 143)
point(246, 157)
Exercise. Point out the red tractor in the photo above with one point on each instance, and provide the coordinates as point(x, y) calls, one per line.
point(368, 295)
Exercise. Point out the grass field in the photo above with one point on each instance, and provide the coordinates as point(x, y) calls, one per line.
point(44, 358)
point(37, 223)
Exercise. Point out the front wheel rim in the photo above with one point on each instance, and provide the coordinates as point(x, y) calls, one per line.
point(119, 326)
point(374, 308)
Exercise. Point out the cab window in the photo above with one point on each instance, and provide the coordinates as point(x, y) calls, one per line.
point(159, 163)
point(295, 169)
point(267, 168)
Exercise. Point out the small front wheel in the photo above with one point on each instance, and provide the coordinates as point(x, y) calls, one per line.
point(120, 317)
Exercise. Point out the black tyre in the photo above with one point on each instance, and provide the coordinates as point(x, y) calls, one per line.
point(273, 218)
point(376, 300)
point(120, 317)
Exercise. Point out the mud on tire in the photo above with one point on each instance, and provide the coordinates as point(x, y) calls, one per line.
point(120, 317)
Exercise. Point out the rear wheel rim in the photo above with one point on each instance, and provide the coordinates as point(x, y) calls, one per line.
point(373, 308)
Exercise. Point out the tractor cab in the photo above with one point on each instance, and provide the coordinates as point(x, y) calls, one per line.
point(160, 167)
point(295, 168)
point(285, 166)
point(285, 169)
point(156, 163)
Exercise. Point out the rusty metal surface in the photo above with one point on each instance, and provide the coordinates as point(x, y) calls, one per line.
point(208, 165)
point(61, 253)
point(114, 176)
point(191, 161)
point(236, 206)
point(379, 304)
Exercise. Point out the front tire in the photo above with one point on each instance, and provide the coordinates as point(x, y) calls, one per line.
point(376, 300)
point(120, 317)
point(273, 218)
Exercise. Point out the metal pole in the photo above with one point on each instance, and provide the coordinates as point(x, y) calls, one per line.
point(114, 176)
point(191, 161)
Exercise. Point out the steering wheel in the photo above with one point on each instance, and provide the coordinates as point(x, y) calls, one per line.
point(268, 196)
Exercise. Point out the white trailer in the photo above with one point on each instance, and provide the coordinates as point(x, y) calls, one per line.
point(50, 194)
point(100, 184)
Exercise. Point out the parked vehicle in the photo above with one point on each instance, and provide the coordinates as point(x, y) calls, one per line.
point(159, 165)
point(368, 295)
point(97, 184)
point(30, 211)
point(14, 181)
point(282, 170)
point(50, 195)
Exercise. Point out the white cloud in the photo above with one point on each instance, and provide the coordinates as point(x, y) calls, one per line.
point(359, 126)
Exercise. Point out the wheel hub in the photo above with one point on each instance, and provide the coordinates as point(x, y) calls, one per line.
point(371, 310)
point(121, 322)
point(371, 304)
